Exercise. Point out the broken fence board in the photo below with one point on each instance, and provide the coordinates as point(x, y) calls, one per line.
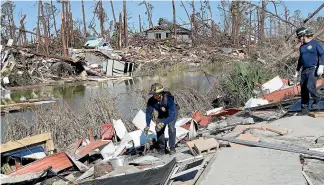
point(25, 142)
point(316, 114)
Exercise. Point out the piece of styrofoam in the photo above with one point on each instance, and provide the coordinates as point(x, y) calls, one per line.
point(254, 102)
point(180, 133)
point(182, 121)
point(216, 110)
point(140, 121)
point(108, 151)
point(119, 128)
point(192, 130)
point(123, 144)
point(139, 138)
point(273, 85)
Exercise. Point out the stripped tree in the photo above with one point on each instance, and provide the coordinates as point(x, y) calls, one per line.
point(125, 24)
point(174, 24)
point(84, 22)
point(148, 12)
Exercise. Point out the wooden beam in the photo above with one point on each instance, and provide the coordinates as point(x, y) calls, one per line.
point(25, 142)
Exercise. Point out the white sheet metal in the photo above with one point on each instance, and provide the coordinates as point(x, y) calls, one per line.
point(140, 121)
point(273, 85)
point(182, 121)
point(254, 102)
point(216, 110)
point(119, 128)
point(123, 144)
point(108, 151)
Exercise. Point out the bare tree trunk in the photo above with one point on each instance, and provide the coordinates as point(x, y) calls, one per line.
point(71, 29)
point(250, 29)
point(262, 20)
point(212, 20)
point(174, 24)
point(63, 30)
point(125, 24)
point(22, 26)
point(54, 19)
point(108, 35)
point(38, 28)
point(120, 31)
point(140, 23)
point(66, 21)
point(84, 21)
point(184, 7)
point(102, 29)
point(113, 12)
point(48, 27)
point(193, 21)
point(235, 21)
point(149, 14)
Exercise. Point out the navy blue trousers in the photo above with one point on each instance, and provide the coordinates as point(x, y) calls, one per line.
point(308, 86)
point(172, 135)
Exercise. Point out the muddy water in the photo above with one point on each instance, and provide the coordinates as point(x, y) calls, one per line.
point(73, 94)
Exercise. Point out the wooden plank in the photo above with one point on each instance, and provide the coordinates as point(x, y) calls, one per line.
point(316, 114)
point(247, 137)
point(49, 146)
point(22, 143)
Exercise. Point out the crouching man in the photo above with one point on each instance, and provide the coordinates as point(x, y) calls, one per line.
point(163, 102)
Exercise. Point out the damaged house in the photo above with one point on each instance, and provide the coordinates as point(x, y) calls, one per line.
point(163, 32)
point(102, 59)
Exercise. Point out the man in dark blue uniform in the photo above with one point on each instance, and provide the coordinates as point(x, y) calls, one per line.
point(311, 60)
point(163, 102)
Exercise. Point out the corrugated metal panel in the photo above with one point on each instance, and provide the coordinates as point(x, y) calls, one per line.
point(278, 96)
point(58, 161)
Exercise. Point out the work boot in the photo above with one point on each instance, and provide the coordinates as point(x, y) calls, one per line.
point(304, 109)
point(172, 151)
point(314, 105)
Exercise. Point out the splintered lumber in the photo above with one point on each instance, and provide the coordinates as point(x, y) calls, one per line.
point(27, 141)
point(293, 149)
point(316, 114)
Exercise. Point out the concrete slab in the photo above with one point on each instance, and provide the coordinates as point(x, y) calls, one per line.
point(253, 166)
point(303, 131)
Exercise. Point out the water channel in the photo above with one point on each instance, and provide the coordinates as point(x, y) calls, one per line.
point(74, 93)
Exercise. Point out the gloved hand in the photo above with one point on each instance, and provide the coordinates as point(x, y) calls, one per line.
point(296, 76)
point(320, 70)
point(159, 126)
point(146, 130)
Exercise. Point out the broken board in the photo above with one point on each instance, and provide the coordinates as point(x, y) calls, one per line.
point(316, 114)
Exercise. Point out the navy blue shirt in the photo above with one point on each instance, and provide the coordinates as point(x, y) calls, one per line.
point(310, 54)
point(166, 108)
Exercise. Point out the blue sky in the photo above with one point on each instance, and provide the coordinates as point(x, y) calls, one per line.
point(161, 9)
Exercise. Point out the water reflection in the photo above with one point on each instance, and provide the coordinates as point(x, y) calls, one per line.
point(75, 94)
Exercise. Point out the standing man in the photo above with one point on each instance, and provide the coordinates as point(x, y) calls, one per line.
point(311, 60)
point(163, 102)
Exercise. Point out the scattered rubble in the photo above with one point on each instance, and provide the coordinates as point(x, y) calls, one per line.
point(120, 153)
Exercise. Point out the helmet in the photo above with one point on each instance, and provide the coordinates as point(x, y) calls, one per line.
point(156, 88)
point(300, 32)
